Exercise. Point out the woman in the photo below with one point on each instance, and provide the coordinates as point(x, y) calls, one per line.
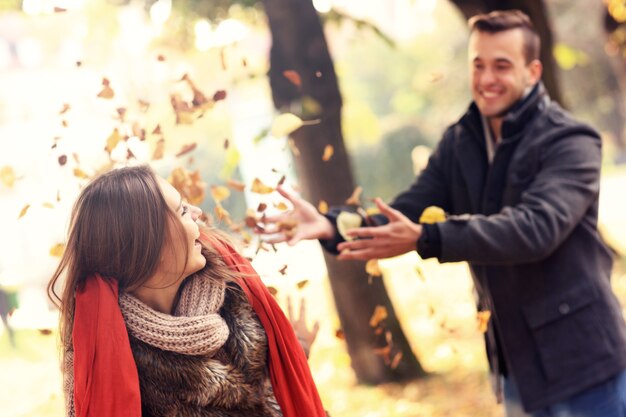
point(161, 318)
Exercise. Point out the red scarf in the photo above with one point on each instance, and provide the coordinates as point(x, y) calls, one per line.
point(105, 375)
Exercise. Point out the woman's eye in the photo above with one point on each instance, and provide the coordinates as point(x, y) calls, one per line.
point(185, 210)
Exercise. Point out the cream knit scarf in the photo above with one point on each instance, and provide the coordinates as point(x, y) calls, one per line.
point(196, 328)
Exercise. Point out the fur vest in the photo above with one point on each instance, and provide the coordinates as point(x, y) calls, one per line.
point(233, 383)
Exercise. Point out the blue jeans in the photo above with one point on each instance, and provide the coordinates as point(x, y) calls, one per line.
point(605, 400)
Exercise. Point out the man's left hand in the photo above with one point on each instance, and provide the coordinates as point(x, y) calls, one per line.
point(395, 238)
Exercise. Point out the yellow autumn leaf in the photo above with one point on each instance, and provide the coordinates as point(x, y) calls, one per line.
point(7, 176)
point(372, 268)
point(80, 173)
point(302, 284)
point(57, 250)
point(328, 153)
point(432, 214)
point(260, 188)
point(47, 205)
point(322, 207)
point(112, 141)
point(219, 193)
point(221, 213)
point(380, 314)
point(281, 206)
point(23, 211)
point(483, 320)
point(284, 124)
point(347, 221)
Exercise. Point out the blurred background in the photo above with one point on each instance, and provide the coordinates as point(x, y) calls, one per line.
point(196, 88)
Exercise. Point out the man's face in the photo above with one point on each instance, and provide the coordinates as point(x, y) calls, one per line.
point(499, 72)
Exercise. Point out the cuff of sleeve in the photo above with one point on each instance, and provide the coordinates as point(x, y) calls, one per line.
point(330, 245)
point(429, 243)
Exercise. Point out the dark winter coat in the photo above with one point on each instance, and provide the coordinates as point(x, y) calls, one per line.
point(527, 225)
point(234, 383)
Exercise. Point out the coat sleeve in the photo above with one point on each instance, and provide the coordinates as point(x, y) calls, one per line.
point(552, 205)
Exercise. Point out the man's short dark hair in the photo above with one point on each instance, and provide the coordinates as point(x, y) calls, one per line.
point(502, 20)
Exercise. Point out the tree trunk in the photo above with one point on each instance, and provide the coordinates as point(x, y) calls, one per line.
point(298, 44)
point(536, 10)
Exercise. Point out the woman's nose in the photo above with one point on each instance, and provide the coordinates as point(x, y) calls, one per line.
point(196, 212)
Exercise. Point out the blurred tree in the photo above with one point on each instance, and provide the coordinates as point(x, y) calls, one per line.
point(298, 44)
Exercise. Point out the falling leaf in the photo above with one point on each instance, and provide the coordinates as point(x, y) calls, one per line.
point(57, 250)
point(380, 314)
point(160, 58)
point(436, 76)
point(219, 95)
point(483, 320)
point(23, 211)
point(251, 219)
point(45, 332)
point(372, 268)
point(112, 141)
point(183, 111)
point(322, 207)
point(159, 150)
point(186, 149)
point(79, 173)
point(121, 112)
point(339, 334)
point(347, 221)
point(219, 193)
point(328, 153)
point(221, 213)
point(272, 290)
point(281, 181)
point(396, 360)
point(226, 143)
point(281, 206)
point(284, 124)
point(78, 64)
point(189, 184)
point(7, 176)
point(432, 214)
point(62, 160)
point(47, 205)
point(59, 9)
point(143, 105)
point(65, 108)
point(293, 77)
point(260, 188)
point(64, 123)
point(293, 147)
point(355, 198)
point(283, 270)
point(384, 352)
point(139, 131)
point(157, 130)
point(107, 92)
point(302, 284)
point(261, 208)
point(236, 185)
point(58, 195)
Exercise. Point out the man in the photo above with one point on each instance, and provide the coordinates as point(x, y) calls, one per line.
point(520, 181)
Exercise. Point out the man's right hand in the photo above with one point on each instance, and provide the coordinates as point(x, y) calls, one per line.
point(301, 222)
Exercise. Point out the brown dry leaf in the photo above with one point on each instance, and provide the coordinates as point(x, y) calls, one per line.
point(380, 314)
point(64, 123)
point(322, 207)
point(62, 160)
point(219, 193)
point(226, 143)
point(157, 130)
point(396, 360)
point(293, 77)
point(47, 205)
point(260, 188)
point(328, 153)
point(281, 206)
point(294, 149)
point(107, 92)
point(143, 105)
point(355, 198)
point(189, 185)
point(261, 207)
point(199, 99)
point(272, 290)
point(302, 284)
point(57, 250)
point(281, 181)
point(219, 95)
point(251, 219)
point(483, 320)
point(372, 268)
point(45, 332)
point(79, 173)
point(112, 141)
point(65, 108)
point(186, 149)
point(59, 9)
point(236, 185)
point(121, 112)
point(184, 112)
point(283, 270)
point(23, 211)
point(159, 150)
point(339, 334)
point(160, 58)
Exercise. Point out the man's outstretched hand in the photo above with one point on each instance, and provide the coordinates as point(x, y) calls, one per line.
point(302, 222)
point(395, 238)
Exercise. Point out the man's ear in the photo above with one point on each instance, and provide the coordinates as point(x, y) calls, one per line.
point(535, 69)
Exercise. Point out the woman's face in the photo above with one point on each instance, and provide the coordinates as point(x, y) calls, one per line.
point(173, 256)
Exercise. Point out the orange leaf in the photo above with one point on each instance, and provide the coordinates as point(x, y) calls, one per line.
point(293, 77)
point(328, 153)
point(322, 207)
point(186, 149)
point(236, 185)
point(65, 108)
point(107, 92)
point(339, 334)
point(354, 199)
point(159, 150)
point(260, 188)
point(160, 58)
point(23, 211)
point(380, 314)
point(281, 206)
point(80, 173)
point(372, 268)
point(221, 213)
point(483, 320)
point(219, 193)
